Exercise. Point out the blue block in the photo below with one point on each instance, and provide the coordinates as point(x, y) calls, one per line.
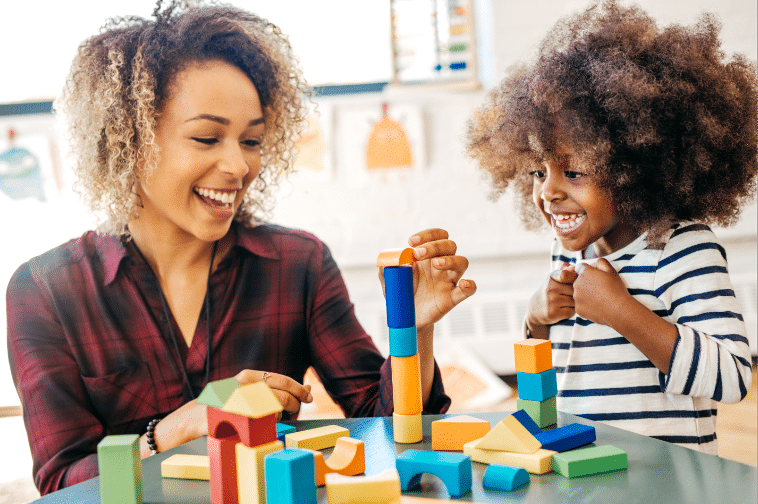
point(282, 430)
point(454, 469)
point(403, 342)
point(537, 386)
point(398, 294)
point(503, 477)
point(525, 420)
point(290, 477)
point(567, 437)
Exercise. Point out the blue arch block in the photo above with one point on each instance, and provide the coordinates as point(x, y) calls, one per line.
point(398, 294)
point(503, 477)
point(537, 386)
point(403, 342)
point(290, 477)
point(454, 469)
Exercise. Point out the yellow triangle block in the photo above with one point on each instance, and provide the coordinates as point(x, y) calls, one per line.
point(254, 400)
point(510, 436)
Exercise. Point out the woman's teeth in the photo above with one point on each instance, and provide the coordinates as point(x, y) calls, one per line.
point(225, 198)
point(569, 222)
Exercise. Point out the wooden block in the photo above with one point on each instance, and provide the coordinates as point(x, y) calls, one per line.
point(382, 488)
point(216, 393)
point(543, 413)
point(316, 439)
point(403, 341)
point(248, 431)
point(348, 459)
point(589, 461)
point(539, 462)
point(395, 257)
point(251, 483)
point(407, 428)
point(454, 469)
point(537, 386)
point(406, 385)
point(525, 420)
point(509, 435)
point(223, 462)
point(290, 477)
point(254, 400)
point(284, 429)
point(533, 356)
point(567, 437)
point(452, 433)
point(398, 295)
point(183, 466)
point(502, 477)
point(120, 469)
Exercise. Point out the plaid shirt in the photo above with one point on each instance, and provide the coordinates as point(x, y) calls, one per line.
point(90, 356)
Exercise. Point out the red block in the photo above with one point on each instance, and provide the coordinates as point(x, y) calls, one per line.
point(223, 461)
point(252, 432)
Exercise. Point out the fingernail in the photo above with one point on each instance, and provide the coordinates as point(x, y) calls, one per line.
point(309, 399)
point(419, 252)
point(413, 240)
point(439, 262)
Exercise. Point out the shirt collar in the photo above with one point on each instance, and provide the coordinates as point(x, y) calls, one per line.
point(257, 240)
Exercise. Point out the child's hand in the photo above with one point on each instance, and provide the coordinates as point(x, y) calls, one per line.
point(553, 302)
point(599, 293)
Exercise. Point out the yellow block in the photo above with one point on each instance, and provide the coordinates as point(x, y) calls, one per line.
point(251, 483)
point(197, 467)
point(533, 356)
point(382, 488)
point(406, 385)
point(407, 428)
point(316, 439)
point(509, 435)
point(539, 462)
point(452, 433)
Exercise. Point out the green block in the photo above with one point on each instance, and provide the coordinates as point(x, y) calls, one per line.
point(120, 469)
point(543, 413)
point(216, 393)
point(589, 460)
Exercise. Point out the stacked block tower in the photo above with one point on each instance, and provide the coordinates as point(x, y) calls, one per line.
point(404, 358)
point(536, 381)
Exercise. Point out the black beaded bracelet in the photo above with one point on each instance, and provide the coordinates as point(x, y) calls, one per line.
point(151, 436)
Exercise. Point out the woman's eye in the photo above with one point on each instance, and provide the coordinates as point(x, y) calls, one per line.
point(251, 143)
point(205, 141)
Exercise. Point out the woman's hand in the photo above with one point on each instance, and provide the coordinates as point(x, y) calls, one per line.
point(289, 392)
point(553, 302)
point(437, 273)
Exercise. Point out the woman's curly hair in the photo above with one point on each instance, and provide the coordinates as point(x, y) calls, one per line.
point(661, 119)
point(120, 79)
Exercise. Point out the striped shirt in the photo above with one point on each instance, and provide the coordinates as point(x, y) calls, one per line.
point(603, 377)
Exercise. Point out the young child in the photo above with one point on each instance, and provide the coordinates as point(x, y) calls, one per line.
point(630, 139)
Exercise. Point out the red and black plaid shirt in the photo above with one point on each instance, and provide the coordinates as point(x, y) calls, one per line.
point(90, 354)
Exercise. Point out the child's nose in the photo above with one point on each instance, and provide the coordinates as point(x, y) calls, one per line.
point(552, 189)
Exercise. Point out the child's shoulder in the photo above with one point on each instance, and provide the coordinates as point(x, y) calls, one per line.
point(691, 243)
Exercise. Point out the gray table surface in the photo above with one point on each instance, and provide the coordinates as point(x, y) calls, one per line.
point(657, 472)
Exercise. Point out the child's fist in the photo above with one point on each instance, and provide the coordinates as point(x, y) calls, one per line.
point(599, 292)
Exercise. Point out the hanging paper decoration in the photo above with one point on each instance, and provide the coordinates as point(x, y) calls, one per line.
point(388, 145)
point(311, 147)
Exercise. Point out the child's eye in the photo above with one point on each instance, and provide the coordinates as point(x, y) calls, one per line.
point(205, 140)
point(537, 174)
point(573, 174)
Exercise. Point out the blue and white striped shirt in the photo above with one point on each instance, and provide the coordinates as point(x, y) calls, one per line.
point(603, 377)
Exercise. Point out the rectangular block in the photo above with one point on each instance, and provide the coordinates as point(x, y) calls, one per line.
point(251, 481)
point(120, 469)
point(525, 420)
point(183, 466)
point(290, 477)
point(316, 439)
point(539, 462)
point(452, 433)
point(382, 488)
point(406, 385)
point(567, 437)
point(589, 461)
point(543, 413)
point(533, 356)
point(537, 386)
point(284, 429)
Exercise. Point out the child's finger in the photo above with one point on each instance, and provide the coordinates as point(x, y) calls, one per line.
point(564, 276)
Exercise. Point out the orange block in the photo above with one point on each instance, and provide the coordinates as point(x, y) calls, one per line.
point(406, 384)
point(395, 257)
point(348, 459)
point(533, 356)
point(452, 433)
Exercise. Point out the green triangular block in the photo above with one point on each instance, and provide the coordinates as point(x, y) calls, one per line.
point(216, 393)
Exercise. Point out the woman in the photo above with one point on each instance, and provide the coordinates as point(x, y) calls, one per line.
point(180, 126)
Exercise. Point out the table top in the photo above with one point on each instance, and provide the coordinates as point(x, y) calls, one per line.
point(657, 471)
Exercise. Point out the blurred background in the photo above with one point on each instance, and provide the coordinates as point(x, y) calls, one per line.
point(383, 157)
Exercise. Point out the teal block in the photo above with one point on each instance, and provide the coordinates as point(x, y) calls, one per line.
point(403, 342)
point(567, 437)
point(589, 461)
point(503, 477)
point(537, 386)
point(120, 469)
point(284, 429)
point(454, 469)
point(290, 477)
point(543, 413)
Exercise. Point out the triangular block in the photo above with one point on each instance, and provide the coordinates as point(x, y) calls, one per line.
point(254, 400)
point(509, 435)
point(216, 393)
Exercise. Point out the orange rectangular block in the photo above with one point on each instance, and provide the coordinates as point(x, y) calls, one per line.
point(406, 385)
point(450, 434)
point(533, 356)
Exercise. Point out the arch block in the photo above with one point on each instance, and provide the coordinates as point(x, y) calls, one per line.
point(348, 459)
point(250, 431)
point(503, 477)
point(454, 469)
